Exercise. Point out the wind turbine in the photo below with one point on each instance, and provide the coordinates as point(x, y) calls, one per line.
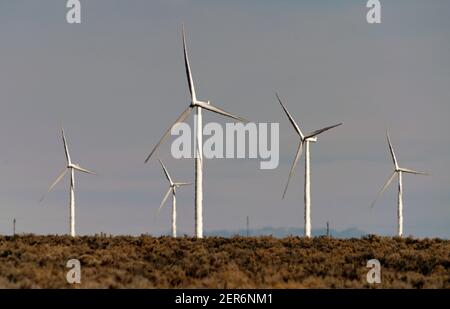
point(305, 139)
point(397, 171)
point(198, 105)
point(71, 167)
point(172, 188)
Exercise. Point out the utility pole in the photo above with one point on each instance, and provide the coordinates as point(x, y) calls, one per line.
point(328, 229)
point(248, 227)
point(14, 227)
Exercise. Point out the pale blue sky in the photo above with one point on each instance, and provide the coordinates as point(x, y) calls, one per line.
point(117, 80)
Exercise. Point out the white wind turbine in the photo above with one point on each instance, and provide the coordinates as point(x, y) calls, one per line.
point(71, 167)
point(397, 171)
point(304, 139)
point(172, 188)
point(199, 105)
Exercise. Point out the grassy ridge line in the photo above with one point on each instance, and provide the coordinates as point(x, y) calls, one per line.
point(256, 262)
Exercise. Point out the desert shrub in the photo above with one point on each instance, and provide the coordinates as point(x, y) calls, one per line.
point(29, 261)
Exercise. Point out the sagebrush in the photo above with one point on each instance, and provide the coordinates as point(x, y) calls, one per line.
point(29, 261)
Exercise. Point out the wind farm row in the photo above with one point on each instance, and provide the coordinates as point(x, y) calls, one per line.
point(197, 106)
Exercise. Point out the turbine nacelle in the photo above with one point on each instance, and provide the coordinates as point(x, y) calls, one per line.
point(311, 139)
point(80, 169)
point(410, 171)
point(199, 103)
point(180, 184)
point(208, 106)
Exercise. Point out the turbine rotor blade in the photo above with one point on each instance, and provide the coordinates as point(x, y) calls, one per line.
point(164, 199)
point(291, 119)
point(388, 182)
point(165, 171)
point(410, 171)
point(182, 184)
point(294, 164)
point(66, 148)
point(81, 169)
point(188, 69)
point(58, 179)
point(317, 132)
point(219, 111)
point(182, 117)
point(391, 149)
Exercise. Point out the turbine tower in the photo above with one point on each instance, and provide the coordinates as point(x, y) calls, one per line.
point(172, 188)
point(397, 171)
point(71, 167)
point(199, 106)
point(305, 139)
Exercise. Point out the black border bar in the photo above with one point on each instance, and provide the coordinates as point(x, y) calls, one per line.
point(80, 298)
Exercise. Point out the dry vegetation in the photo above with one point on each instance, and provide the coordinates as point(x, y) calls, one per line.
point(257, 262)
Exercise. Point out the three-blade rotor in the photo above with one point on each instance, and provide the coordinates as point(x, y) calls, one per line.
point(172, 185)
point(397, 170)
point(69, 167)
point(194, 102)
point(303, 138)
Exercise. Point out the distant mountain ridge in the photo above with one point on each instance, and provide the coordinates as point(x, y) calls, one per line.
point(289, 231)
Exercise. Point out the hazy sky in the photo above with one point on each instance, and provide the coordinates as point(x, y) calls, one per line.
point(117, 80)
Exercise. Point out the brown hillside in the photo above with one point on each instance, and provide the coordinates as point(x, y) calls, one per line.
point(255, 262)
